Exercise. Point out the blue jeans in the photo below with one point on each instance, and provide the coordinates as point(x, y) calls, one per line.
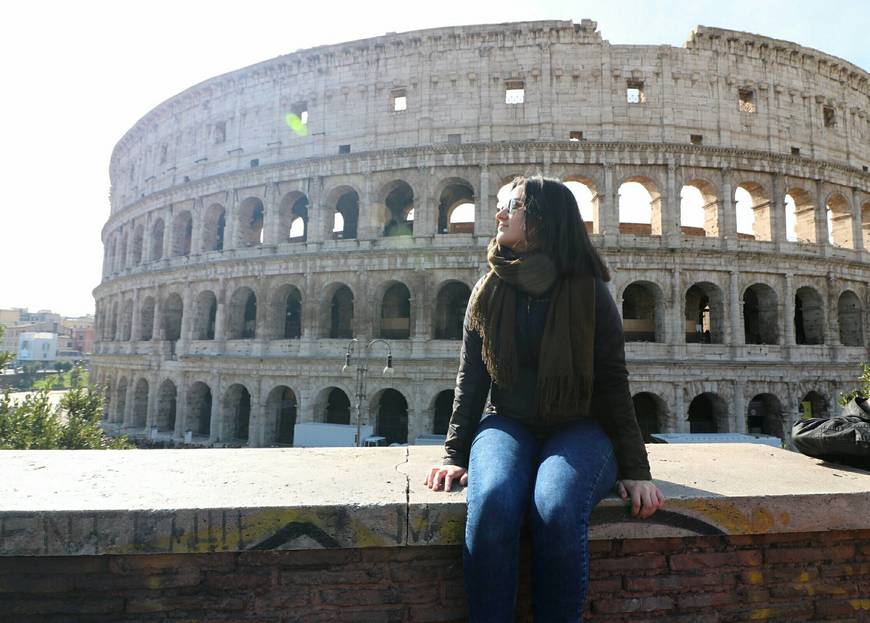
point(557, 480)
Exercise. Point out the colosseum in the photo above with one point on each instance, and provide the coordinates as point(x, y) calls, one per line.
point(263, 218)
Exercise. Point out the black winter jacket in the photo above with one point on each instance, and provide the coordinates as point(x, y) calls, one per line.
point(842, 439)
point(611, 400)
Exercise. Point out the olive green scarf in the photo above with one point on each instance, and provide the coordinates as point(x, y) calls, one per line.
point(565, 363)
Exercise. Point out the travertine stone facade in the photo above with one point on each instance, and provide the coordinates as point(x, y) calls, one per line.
point(241, 255)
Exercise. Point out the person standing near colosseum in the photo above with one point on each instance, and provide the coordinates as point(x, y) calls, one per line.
point(543, 338)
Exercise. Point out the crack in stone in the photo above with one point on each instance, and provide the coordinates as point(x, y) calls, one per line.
point(407, 494)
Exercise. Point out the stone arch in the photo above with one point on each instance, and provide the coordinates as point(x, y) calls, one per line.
point(764, 416)
point(809, 317)
point(651, 412)
point(455, 195)
point(643, 312)
point(804, 214)
point(236, 408)
point(182, 232)
point(704, 314)
point(699, 209)
point(243, 314)
point(813, 405)
point(849, 315)
point(252, 213)
point(214, 228)
point(167, 407)
point(752, 211)
point(344, 201)
point(157, 233)
point(113, 254)
point(281, 411)
point(205, 316)
point(442, 410)
point(391, 409)
point(293, 217)
point(450, 304)
point(634, 217)
point(286, 313)
point(199, 408)
point(146, 319)
point(395, 320)
point(140, 403)
point(120, 400)
point(398, 208)
point(336, 312)
point(108, 402)
point(113, 327)
point(122, 256)
point(585, 191)
point(760, 315)
point(332, 406)
point(138, 241)
point(865, 224)
point(172, 311)
point(708, 413)
point(127, 321)
point(838, 211)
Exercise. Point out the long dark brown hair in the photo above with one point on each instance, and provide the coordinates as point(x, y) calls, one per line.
point(554, 226)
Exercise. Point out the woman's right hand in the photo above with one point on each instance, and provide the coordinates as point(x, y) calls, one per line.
point(446, 475)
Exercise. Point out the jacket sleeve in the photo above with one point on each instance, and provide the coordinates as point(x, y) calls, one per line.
point(469, 397)
point(611, 397)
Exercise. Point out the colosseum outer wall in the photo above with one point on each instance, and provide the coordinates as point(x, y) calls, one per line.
point(215, 200)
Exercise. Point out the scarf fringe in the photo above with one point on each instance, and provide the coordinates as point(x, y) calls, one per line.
point(560, 397)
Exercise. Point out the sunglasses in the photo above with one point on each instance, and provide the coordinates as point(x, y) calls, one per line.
point(512, 206)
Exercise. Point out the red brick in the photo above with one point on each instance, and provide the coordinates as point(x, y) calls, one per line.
point(102, 582)
point(853, 570)
point(705, 600)
point(36, 583)
point(640, 546)
point(168, 563)
point(314, 558)
point(807, 555)
point(138, 605)
point(600, 547)
point(64, 607)
point(427, 572)
point(605, 585)
point(669, 583)
point(375, 596)
point(346, 574)
point(839, 607)
point(637, 604)
point(628, 563)
point(16, 565)
point(713, 560)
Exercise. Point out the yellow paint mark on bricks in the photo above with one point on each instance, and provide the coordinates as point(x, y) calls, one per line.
point(760, 614)
point(860, 604)
point(756, 577)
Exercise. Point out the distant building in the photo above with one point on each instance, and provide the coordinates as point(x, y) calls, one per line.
point(34, 346)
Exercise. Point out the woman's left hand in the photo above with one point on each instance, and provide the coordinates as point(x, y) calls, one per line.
point(646, 498)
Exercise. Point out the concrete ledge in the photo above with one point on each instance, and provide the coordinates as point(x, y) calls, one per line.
point(55, 503)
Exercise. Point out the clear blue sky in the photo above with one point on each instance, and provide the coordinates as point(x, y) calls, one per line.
point(77, 75)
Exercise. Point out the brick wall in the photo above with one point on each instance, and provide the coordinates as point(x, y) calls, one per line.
point(810, 576)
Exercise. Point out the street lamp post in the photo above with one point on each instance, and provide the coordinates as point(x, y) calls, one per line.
point(361, 370)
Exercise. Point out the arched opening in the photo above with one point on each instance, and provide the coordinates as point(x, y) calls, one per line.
point(643, 312)
point(237, 412)
point(865, 225)
point(127, 321)
point(760, 315)
point(182, 230)
point(450, 307)
point(146, 319)
point(281, 416)
point(456, 208)
point(199, 409)
point(704, 314)
point(839, 215)
point(443, 411)
point(849, 318)
point(346, 214)
point(120, 400)
point(173, 309)
point(708, 413)
point(122, 256)
point(340, 313)
point(396, 313)
point(113, 255)
point(392, 422)
point(286, 313)
point(157, 240)
point(813, 405)
point(651, 412)
point(332, 406)
point(213, 228)
point(293, 217)
point(804, 215)
point(140, 404)
point(752, 207)
point(640, 207)
point(108, 403)
point(138, 239)
point(764, 416)
point(113, 326)
point(206, 316)
point(586, 196)
point(399, 209)
point(166, 406)
point(699, 209)
point(243, 315)
point(251, 214)
point(809, 317)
